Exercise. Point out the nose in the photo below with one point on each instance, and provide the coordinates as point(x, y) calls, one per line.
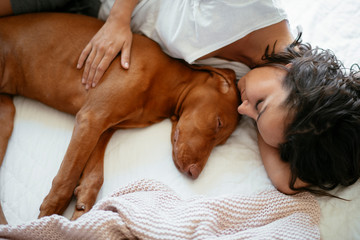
point(242, 108)
point(246, 109)
point(193, 171)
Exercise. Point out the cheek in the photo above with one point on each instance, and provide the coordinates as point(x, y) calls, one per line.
point(238, 84)
point(271, 134)
point(241, 82)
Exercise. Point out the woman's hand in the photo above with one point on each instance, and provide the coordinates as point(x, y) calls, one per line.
point(102, 49)
point(113, 37)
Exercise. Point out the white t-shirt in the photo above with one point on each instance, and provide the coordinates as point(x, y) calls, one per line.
point(190, 29)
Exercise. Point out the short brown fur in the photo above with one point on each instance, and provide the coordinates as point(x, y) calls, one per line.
point(38, 56)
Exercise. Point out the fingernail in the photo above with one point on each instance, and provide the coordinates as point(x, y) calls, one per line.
point(126, 65)
point(78, 66)
point(83, 81)
point(93, 85)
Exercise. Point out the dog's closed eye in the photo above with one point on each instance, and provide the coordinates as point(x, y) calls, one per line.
point(219, 123)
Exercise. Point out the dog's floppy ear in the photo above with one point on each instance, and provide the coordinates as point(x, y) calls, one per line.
point(226, 76)
point(225, 83)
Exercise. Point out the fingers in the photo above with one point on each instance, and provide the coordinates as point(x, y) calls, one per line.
point(96, 64)
point(125, 55)
point(98, 61)
point(101, 68)
point(84, 54)
point(86, 57)
point(102, 50)
point(92, 66)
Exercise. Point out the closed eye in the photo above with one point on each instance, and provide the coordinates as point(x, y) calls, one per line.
point(219, 123)
point(258, 103)
point(257, 107)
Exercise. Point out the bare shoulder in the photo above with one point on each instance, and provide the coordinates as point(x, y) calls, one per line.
point(251, 48)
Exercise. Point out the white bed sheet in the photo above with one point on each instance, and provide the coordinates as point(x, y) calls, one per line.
point(41, 136)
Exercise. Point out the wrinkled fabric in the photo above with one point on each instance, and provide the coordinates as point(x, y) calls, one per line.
point(148, 209)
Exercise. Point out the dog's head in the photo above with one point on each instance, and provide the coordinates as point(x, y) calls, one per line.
point(207, 118)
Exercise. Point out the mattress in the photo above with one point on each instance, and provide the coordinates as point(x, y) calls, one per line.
point(41, 136)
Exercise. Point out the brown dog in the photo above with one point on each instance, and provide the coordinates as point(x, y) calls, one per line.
point(38, 56)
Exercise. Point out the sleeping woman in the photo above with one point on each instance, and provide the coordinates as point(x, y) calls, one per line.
point(304, 103)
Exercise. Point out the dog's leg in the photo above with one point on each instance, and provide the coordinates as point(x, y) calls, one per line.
point(89, 126)
point(7, 114)
point(2, 217)
point(92, 177)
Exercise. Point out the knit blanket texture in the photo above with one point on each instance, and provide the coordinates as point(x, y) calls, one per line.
point(148, 209)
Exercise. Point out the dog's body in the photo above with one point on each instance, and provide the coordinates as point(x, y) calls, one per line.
point(38, 56)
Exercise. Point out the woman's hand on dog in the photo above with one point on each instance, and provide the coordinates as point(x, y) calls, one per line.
point(113, 37)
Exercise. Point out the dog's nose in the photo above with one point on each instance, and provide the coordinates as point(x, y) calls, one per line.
point(193, 171)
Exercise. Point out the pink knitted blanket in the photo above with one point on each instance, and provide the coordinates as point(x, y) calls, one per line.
point(150, 210)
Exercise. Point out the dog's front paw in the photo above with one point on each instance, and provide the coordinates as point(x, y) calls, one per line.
point(57, 200)
point(53, 205)
point(48, 208)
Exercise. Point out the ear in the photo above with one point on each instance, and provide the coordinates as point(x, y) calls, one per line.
point(288, 66)
point(226, 78)
point(224, 85)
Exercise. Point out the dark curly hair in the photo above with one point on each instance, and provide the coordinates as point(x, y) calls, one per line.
point(322, 142)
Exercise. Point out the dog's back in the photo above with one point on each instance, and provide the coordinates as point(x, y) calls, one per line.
point(41, 53)
point(38, 58)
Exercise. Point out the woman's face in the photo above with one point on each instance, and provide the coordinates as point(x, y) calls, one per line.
point(262, 95)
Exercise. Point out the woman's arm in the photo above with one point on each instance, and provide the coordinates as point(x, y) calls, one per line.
point(277, 170)
point(113, 37)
